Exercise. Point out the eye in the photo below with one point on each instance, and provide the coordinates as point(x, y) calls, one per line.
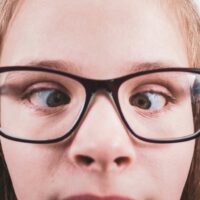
point(49, 98)
point(148, 101)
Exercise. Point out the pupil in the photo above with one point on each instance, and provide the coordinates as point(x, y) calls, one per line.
point(141, 101)
point(57, 98)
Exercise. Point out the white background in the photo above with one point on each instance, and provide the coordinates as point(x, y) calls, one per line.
point(198, 3)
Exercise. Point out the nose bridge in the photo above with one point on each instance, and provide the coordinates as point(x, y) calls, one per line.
point(103, 112)
point(103, 106)
point(103, 101)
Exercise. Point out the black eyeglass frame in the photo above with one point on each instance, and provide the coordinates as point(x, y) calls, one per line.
point(92, 86)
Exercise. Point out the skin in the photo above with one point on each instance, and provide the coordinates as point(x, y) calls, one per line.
point(104, 39)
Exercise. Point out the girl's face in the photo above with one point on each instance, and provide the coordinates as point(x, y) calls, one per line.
point(103, 39)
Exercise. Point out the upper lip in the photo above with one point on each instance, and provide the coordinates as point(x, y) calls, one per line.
point(93, 197)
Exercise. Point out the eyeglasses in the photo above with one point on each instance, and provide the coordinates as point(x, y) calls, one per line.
point(41, 105)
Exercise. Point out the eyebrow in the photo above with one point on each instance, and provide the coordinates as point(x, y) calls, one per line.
point(143, 66)
point(59, 65)
point(71, 67)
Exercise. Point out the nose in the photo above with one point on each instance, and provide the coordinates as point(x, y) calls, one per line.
point(101, 143)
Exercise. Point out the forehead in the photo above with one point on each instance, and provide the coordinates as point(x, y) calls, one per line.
point(96, 34)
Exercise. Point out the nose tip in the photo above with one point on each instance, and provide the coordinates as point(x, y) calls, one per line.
point(102, 152)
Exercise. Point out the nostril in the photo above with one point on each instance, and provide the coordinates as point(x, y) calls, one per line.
point(123, 160)
point(84, 160)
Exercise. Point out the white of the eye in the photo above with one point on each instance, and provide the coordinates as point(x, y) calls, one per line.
point(40, 98)
point(157, 100)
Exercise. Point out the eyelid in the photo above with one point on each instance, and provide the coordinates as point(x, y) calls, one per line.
point(38, 86)
point(151, 88)
point(157, 81)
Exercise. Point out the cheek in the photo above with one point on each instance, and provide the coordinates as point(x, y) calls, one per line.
point(170, 168)
point(164, 168)
point(31, 163)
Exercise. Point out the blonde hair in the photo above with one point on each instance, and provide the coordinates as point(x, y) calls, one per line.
point(189, 20)
point(189, 24)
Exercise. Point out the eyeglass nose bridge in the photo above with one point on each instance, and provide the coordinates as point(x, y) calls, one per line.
point(99, 85)
point(107, 88)
point(103, 85)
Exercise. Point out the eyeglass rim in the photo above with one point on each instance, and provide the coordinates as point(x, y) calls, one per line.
point(84, 79)
point(86, 82)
